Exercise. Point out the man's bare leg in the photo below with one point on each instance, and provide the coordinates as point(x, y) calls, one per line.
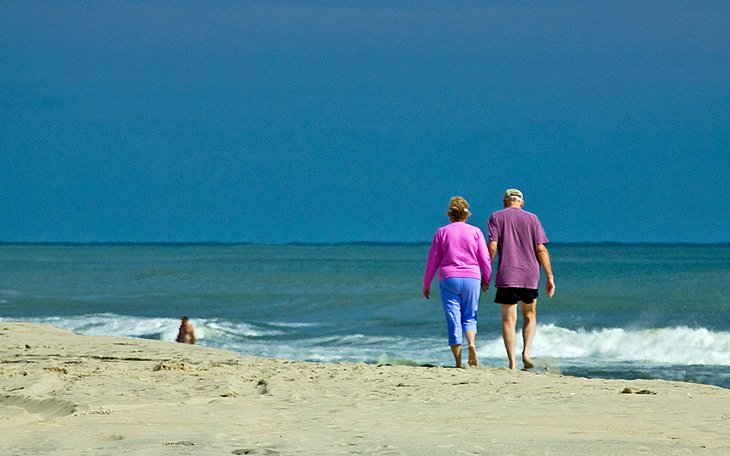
point(509, 320)
point(529, 325)
point(456, 350)
point(471, 336)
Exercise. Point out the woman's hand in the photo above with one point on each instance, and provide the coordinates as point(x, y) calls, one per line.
point(485, 285)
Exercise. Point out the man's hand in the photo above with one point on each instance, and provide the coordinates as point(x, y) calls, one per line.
point(426, 293)
point(550, 287)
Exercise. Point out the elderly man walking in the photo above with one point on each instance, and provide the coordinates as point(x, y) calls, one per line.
point(519, 239)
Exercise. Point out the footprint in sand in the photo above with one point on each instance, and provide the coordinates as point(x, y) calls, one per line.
point(262, 387)
point(264, 451)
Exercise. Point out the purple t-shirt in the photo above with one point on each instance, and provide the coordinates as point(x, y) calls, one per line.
point(458, 250)
point(517, 234)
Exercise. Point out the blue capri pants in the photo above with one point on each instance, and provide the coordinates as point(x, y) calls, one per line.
point(460, 297)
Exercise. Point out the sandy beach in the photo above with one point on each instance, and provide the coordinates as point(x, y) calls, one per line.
point(66, 394)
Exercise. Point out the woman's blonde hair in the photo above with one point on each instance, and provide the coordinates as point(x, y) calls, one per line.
point(458, 209)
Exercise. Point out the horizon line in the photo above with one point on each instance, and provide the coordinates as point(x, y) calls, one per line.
point(300, 243)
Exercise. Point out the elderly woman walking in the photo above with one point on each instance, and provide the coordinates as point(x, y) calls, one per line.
point(459, 253)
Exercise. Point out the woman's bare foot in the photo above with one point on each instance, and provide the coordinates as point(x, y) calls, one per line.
point(473, 362)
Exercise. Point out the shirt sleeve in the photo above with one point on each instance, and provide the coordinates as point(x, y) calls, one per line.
point(540, 236)
point(493, 229)
point(434, 260)
point(483, 258)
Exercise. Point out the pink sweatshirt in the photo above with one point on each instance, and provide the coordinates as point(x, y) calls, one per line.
point(458, 250)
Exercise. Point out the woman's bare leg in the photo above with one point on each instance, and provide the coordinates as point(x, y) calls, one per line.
point(471, 336)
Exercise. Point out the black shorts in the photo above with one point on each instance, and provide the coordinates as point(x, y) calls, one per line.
point(513, 295)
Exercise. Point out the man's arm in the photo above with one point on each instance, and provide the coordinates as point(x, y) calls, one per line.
point(543, 257)
point(492, 250)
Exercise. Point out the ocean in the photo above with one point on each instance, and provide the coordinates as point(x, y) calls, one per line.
point(632, 311)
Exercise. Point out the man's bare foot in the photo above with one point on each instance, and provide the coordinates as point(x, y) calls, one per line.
point(473, 362)
point(527, 362)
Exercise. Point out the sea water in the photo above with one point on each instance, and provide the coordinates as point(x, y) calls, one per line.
point(620, 311)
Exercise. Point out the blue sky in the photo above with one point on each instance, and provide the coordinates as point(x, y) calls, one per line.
point(335, 121)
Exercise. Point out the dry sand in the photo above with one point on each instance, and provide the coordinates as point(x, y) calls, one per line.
point(65, 394)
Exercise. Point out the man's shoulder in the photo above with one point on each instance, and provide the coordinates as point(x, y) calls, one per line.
point(513, 215)
point(511, 212)
point(519, 212)
point(499, 213)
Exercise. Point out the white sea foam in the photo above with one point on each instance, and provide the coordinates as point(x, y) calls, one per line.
point(679, 345)
point(353, 348)
point(669, 346)
point(108, 324)
point(216, 328)
point(285, 324)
